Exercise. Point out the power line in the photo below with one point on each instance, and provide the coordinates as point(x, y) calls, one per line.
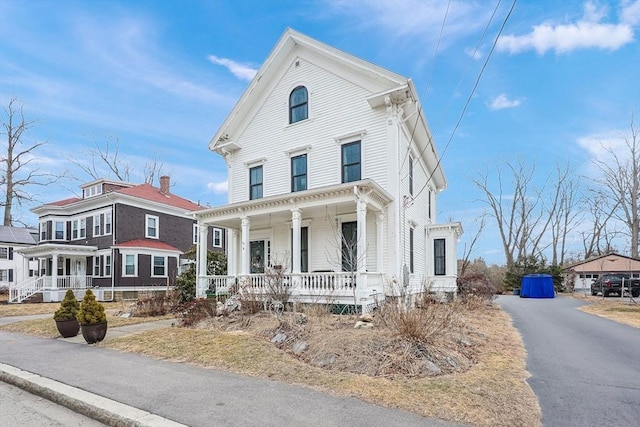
point(464, 109)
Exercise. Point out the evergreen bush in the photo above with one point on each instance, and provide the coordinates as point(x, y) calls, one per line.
point(91, 311)
point(69, 307)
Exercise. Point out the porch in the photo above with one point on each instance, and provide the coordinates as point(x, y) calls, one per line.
point(59, 267)
point(344, 288)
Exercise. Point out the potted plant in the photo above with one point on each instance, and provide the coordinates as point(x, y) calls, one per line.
point(65, 316)
point(93, 320)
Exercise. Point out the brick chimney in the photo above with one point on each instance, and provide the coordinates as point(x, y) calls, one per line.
point(165, 184)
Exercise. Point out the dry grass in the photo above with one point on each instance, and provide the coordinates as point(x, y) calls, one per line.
point(10, 310)
point(492, 392)
point(487, 387)
point(47, 327)
point(612, 308)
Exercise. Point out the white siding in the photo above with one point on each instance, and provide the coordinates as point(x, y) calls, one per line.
point(336, 107)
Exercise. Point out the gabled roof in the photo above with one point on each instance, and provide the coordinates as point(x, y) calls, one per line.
point(289, 44)
point(147, 244)
point(611, 262)
point(16, 235)
point(379, 81)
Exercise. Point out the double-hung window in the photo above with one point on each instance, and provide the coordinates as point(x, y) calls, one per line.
point(151, 226)
point(255, 182)
point(159, 266)
point(107, 223)
point(130, 265)
point(60, 230)
point(107, 265)
point(96, 266)
point(298, 105)
point(351, 162)
point(97, 226)
point(439, 257)
point(196, 231)
point(299, 173)
point(217, 238)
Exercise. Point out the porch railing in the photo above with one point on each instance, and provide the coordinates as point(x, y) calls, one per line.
point(34, 285)
point(303, 286)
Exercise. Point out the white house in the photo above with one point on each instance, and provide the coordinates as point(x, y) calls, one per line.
point(584, 273)
point(14, 267)
point(325, 151)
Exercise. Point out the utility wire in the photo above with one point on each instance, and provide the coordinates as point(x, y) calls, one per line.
point(464, 109)
point(429, 75)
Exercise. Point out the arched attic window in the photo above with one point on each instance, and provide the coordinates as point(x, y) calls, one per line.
point(298, 105)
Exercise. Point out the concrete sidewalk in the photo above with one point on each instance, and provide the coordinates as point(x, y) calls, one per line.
point(127, 389)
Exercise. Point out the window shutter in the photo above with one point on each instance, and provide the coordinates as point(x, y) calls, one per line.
point(10, 254)
point(11, 275)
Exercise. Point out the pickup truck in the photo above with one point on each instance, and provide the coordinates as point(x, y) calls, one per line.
point(612, 284)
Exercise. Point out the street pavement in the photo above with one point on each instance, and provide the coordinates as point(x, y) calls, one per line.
point(128, 389)
point(585, 370)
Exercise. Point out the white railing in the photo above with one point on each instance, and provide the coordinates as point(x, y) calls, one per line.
point(24, 290)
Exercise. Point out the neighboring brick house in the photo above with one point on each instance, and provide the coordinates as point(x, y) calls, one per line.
point(14, 267)
point(332, 172)
point(118, 239)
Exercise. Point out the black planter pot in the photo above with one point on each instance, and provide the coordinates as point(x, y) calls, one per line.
point(68, 328)
point(94, 333)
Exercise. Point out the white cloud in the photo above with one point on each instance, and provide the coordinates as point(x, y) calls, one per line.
point(630, 12)
point(502, 101)
point(218, 187)
point(600, 146)
point(589, 32)
point(473, 53)
point(240, 70)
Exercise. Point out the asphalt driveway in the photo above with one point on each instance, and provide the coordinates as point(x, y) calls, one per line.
point(585, 369)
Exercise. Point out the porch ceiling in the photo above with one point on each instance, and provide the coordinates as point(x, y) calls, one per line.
point(330, 200)
point(49, 249)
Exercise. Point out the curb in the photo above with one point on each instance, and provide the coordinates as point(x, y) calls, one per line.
point(99, 408)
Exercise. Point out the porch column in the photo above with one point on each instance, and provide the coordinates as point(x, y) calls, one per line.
point(54, 270)
point(246, 250)
point(232, 251)
point(201, 260)
point(361, 215)
point(379, 242)
point(296, 220)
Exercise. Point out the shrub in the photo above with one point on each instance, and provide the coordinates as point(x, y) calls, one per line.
point(194, 311)
point(91, 311)
point(69, 307)
point(476, 286)
point(422, 325)
point(153, 305)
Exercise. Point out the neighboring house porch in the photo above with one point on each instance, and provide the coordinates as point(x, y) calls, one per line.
point(60, 267)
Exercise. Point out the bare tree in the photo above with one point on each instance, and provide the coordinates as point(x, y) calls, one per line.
point(17, 173)
point(518, 213)
point(598, 240)
point(105, 161)
point(466, 254)
point(564, 216)
point(621, 184)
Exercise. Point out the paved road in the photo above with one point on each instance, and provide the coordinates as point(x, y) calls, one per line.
point(188, 394)
point(19, 408)
point(585, 369)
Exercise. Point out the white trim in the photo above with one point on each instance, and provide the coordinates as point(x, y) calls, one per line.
point(350, 137)
point(295, 152)
point(124, 264)
point(166, 265)
point(147, 217)
point(257, 162)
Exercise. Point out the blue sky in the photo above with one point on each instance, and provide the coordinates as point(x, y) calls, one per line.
point(160, 76)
